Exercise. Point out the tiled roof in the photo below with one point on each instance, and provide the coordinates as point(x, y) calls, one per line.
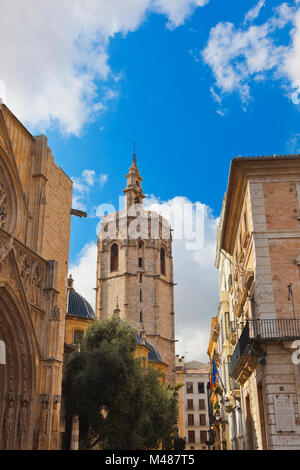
point(153, 355)
point(78, 306)
point(267, 157)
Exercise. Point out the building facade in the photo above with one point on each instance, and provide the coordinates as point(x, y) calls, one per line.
point(135, 270)
point(195, 377)
point(179, 364)
point(259, 235)
point(35, 217)
point(226, 418)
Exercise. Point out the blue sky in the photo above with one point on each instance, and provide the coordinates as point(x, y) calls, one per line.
point(164, 104)
point(193, 85)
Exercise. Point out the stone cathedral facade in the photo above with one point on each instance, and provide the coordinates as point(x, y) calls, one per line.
point(35, 217)
point(135, 270)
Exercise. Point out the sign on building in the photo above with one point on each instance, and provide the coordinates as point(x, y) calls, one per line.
point(284, 413)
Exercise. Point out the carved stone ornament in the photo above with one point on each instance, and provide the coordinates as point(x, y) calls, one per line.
point(32, 273)
point(23, 417)
point(5, 248)
point(9, 417)
point(56, 313)
point(44, 417)
point(3, 206)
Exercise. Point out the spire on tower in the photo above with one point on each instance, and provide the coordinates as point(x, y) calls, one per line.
point(134, 192)
point(117, 310)
point(134, 155)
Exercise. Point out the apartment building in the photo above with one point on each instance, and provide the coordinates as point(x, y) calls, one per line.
point(195, 404)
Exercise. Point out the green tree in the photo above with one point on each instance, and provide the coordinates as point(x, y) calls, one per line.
point(120, 405)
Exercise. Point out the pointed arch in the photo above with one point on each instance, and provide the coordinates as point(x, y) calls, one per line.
point(13, 206)
point(18, 376)
point(114, 257)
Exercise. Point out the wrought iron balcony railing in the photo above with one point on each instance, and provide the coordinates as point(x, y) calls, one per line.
point(260, 331)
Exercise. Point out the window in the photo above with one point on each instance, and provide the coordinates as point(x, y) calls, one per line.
point(140, 262)
point(190, 405)
point(222, 332)
point(191, 436)
point(141, 317)
point(200, 387)
point(114, 258)
point(189, 387)
point(227, 324)
point(137, 201)
point(191, 420)
point(141, 245)
point(141, 296)
point(201, 404)
point(78, 335)
point(162, 262)
point(203, 436)
point(141, 278)
point(202, 420)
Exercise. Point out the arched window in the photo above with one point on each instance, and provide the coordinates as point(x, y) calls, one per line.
point(141, 245)
point(162, 261)
point(137, 200)
point(114, 257)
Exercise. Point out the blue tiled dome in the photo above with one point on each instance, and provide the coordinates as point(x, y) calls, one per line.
point(78, 306)
point(153, 355)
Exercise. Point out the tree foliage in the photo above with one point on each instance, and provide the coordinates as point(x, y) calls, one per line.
point(120, 405)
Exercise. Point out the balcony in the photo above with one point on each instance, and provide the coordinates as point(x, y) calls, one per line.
point(256, 332)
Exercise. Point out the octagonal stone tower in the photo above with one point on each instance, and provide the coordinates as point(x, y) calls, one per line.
point(135, 270)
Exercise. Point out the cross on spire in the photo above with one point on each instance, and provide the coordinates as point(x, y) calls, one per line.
point(134, 155)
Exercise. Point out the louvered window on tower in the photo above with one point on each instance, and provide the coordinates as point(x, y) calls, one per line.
point(114, 258)
point(162, 262)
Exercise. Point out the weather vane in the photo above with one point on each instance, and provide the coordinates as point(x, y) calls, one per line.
point(134, 155)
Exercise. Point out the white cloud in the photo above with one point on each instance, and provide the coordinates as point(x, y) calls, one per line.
point(196, 295)
point(83, 271)
point(82, 186)
point(249, 52)
point(292, 63)
point(89, 177)
point(103, 179)
point(57, 55)
point(255, 11)
point(177, 11)
point(293, 144)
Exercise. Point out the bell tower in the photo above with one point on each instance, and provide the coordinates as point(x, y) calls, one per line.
point(133, 192)
point(135, 270)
